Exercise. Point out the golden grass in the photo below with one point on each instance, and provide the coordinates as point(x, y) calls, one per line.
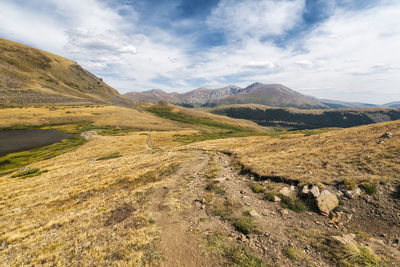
point(66, 215)
point(330, 157)
point(32, 76)
point(101, 116)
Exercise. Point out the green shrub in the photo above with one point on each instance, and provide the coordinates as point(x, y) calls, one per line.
point(293, 203)
point(293, 253)
point(256, 188)
point(370, 189)
point(270, 196)
point(214, 187)
point(245, 225)
point(224, 209)
point(29, 173)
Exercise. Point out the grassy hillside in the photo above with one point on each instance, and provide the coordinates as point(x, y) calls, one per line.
point(308, 119)
point(355, 155)
point(29, 76)
point(208, 126)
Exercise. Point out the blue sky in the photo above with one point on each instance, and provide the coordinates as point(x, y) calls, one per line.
point(337, 49)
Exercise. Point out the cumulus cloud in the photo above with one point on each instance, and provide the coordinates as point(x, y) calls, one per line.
point(249, 18)
point(348, 53)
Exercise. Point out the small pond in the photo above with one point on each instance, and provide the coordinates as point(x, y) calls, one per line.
point(20, 140)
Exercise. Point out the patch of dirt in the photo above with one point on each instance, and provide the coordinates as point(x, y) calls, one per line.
point(178, 246)
point(378, 215)
point(119, 214)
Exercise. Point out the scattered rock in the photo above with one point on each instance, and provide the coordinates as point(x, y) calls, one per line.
point(264, 213)
point(284, 212)
point(380, 142)
point(347, 239)
point(255, 214)
point(387, 135)
point(277, 199)
point(305, 190)
point(353, 193)
point(326, 202)
point(288, 191)
point(314, 191)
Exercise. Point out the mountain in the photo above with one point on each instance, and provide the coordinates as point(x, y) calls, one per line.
point(153, 96)
point(29, 76)
point(256, 93)
point(392, 104)
point(200, 96)
point(344, 104)
point(275, 95)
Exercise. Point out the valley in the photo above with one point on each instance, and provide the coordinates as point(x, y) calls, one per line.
point(112, 181)
point(194, 194)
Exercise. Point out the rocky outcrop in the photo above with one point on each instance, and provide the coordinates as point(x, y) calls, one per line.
point(326, 202)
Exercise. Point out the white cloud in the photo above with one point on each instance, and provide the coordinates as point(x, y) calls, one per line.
point(348, 56)
point(243, 19)
point(353, 52)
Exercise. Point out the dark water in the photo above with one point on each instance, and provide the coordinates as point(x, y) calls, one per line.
point(19, 140)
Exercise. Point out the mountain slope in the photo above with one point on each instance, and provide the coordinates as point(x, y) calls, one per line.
point(308, 119)
point(392, 104)
point(29, 76)
point(275, 95)
point(343, 104)
point(153, 96)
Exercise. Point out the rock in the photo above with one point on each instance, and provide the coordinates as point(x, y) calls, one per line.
point(277, 199)
point(305, 190)
point(380, 142)
point(353, 193)
point(88, 134)
point(314, 191)
point(288, 191)
point(284, 212)
point(387, 135)
point(255, 214)
point(264, 213)
point(326, 202)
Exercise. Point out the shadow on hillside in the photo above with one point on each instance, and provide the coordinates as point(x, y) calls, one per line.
point(396, 194)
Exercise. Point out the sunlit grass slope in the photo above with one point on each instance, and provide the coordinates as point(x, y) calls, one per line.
point(80, 210)
point(356, 154)
point(29, 76)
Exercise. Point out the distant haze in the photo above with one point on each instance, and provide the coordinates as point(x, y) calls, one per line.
point(343, 50)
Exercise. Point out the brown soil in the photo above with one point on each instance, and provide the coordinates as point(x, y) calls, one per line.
point(178, 247)
point(181, 208)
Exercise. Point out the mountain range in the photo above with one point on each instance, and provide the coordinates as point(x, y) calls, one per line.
point(274, 95)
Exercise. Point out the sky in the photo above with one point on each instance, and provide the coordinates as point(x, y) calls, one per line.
point(336, 49)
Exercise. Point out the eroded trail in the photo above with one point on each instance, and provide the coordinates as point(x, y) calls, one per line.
point(209, 215)
point(177, 246)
